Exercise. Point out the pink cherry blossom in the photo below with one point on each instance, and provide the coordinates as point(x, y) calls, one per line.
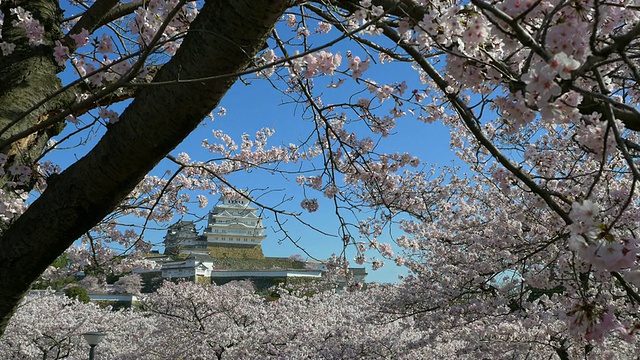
point(564, 65)
point(106, 45)
point(310, 205)
point(81, 38)
point(61, 53)
point(357, 66)
point(7, 48)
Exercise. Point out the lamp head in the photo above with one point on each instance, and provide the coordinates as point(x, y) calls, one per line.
point(93, 337)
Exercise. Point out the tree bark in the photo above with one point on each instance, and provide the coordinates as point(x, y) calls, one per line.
point(223, 40)
point(28, 77)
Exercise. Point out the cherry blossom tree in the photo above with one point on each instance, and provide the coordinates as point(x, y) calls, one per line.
point(537, 238)
point(128, 284)
point(219, 321)
point(189, 320)
point(34, 104)
point(50, 326)
point(231, 322)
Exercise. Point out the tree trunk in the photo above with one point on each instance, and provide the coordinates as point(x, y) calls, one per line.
point(223, 40)
point(28, 77)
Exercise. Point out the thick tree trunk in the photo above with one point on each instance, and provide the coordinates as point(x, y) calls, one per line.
point(28, 77)
point(223, 39)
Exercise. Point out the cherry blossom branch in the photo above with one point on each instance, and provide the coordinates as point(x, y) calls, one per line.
point(121, 10)
point(344, 232)
point(593, 101)
point(256, 69)
point(620, 41)
point(467, 116)
point(632, 294)
point(621, 146)
point(359, 39)
point(90, 21)
point(65, 138)
point(156, 202)
point(99, 95)
point(629, 115)
point(523, 35)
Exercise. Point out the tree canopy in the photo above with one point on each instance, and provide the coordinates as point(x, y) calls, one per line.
point(539, 97)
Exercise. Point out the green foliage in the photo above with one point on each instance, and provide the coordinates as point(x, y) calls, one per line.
point(151, 281)
point(536, 293)
point(257, 264)
point(231, 251)
point(77, 292)
point(57, 284)
point(116, 305)
point(61, 261)
point(112, 278)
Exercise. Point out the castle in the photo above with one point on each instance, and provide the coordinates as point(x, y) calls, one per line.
point(233, 229)
point(230, 248)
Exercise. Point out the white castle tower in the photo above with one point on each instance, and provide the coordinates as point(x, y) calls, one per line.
point(234, 230)
point(234, 222)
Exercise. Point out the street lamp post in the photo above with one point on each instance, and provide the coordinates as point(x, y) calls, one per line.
point(93, 338)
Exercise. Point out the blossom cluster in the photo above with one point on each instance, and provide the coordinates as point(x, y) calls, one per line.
point(596, 244)
point(540, 80)
point(191, 320)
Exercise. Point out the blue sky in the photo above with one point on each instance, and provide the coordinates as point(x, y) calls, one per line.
point(256, 105)
point(251, 107)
